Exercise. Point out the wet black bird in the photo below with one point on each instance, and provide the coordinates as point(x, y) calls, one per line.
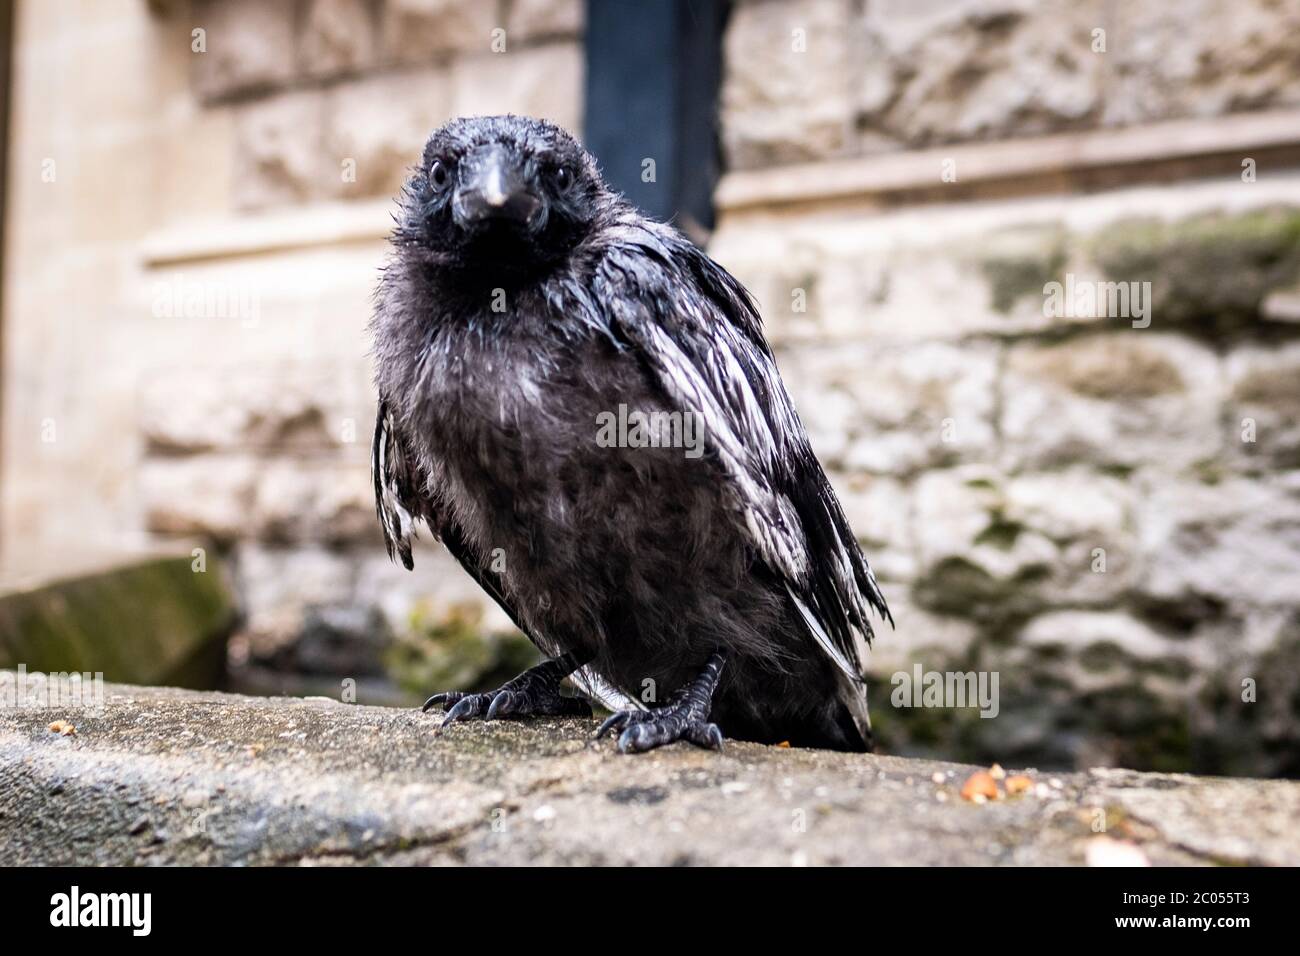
point(525, 309)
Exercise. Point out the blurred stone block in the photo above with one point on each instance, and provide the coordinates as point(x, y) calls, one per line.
point(279, 154)
point(544, 82)
point(380, 124)
point(787, 93)
point(533, 19)
point(152, 621)
point(337, 37)
point(417, 31)
point(247, 46)
point(1120, 400)
point(895, 411)
point(1264, 406)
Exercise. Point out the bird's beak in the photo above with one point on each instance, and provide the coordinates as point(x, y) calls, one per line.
point(493, 188)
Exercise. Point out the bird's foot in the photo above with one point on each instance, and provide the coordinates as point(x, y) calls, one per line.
point(534, 693)
point(647, 729)
point(684, 717)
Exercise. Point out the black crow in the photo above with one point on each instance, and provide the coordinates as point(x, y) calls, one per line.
point(582, 406)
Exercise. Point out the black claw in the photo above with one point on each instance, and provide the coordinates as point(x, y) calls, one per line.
point(448, 697)
point(466, 707)
point(502, 704)
point(613, 722)
point(708, 736)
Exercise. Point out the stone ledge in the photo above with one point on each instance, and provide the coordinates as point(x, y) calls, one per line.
point(164, 776)
point(1024, 165)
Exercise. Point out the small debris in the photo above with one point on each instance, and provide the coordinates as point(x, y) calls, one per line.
point(544, 812)
point(140, 824)
point(1018, 784)
point(979, 787)
point(784, 744)
point(1105, 851)
point(938, 777)
point(62, 728)
point(255, 750)
point(997, 773)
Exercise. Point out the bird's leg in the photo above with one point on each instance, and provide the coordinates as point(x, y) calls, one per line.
point(534, 693)
point(684, 717)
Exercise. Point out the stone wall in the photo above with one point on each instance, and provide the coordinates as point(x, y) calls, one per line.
point(199, 197)
point(192, 240)
point(1102, 509)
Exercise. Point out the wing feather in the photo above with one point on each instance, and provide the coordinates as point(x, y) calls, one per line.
point(698, 330)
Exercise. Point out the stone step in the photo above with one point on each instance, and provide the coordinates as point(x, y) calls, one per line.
point(163, 776)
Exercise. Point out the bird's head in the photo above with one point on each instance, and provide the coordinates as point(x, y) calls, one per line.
point(499, 195)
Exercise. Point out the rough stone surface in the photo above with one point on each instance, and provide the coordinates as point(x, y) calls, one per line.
point(337, 37)
point(166, 777)
point(787, 93)
point(380, 124)
point(416, 30)
point(903, 73)
point(533, 19)
point(246, 43)
point(278, 151)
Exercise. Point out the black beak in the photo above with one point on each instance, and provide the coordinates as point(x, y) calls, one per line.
point(493, 189)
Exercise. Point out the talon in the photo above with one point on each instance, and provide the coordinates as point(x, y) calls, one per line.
point(466, 707)
point(632, 739)
point(502, 704)
point(708, 736)
point(613, 722)
point(445, 698)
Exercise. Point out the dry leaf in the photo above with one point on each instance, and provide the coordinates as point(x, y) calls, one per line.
point(785, 744)
point(1017, 784)
point(63, 728)
point(979, 786)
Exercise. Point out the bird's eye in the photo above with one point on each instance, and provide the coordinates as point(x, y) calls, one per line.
point(438, 175)
point(563, 178)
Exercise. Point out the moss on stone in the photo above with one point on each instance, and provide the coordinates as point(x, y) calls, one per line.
point(1210, 273)
point(454, 651)
point(153, 622)
point(1021, 265)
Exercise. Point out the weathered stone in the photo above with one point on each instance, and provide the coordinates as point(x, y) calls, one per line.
point(935, 641)
point(1122, 400)
point(895, 411)
point(207, 495)
point(995, 548)
point(246, 43)
point(1234, 539)
point(376, 127)
point(330, 501)
point(973, 562)
point(278, 585)
point(228, 779)
point(1090, 517)
point(543, 81)
point(286, 408)
point(278, 151)
point(879, 511)
point(1237, 57)
point(974, 70)
point(1264, 406)
point(417, 31)
point(337, 37)
point(540, 19)
point(160, 620)
point(1209, 274)
point(787, 86)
